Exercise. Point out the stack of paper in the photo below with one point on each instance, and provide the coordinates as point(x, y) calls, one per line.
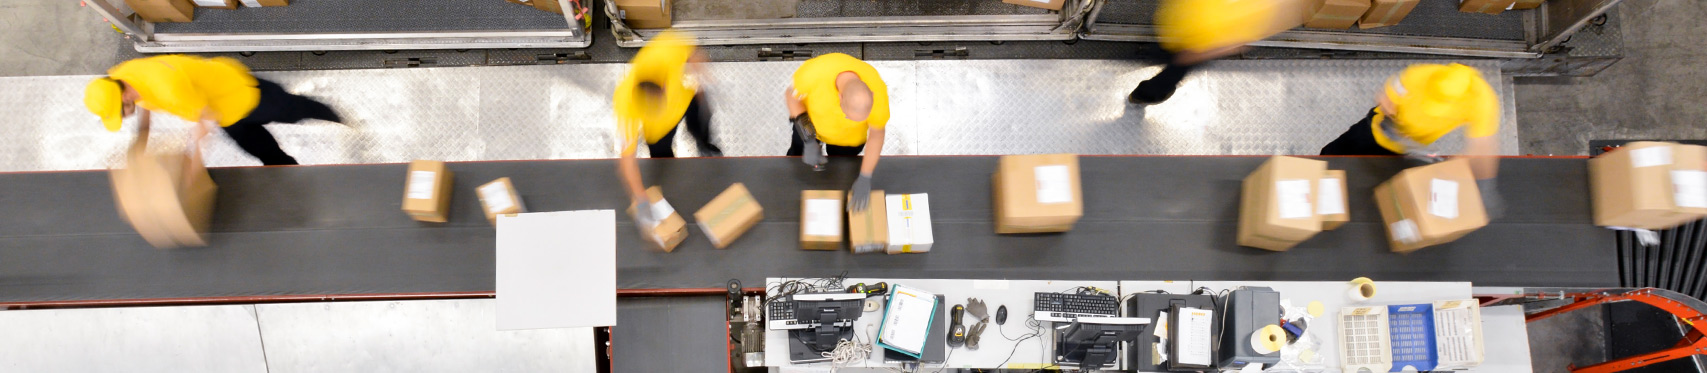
point(907, 320)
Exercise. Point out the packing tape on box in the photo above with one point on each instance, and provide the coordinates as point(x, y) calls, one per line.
point(1362, 288)
point(1268, 339)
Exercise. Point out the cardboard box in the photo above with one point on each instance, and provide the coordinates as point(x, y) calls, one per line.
point(163, 10)
point(1045, 4)
point(1485, 6)
point(868, 231)
point(216, 4)
point(671, 229)
point(546, 5)
point(909, 223)
point(729, 215)
point(1527, 4)
point(1430, 205)
point(1331, 200)
point(1037, 193)
point(1649, 185)
point(1277, 204)
point(168, 198)
point(1336, 14)
point(1386, 13)
point(644, 14)
point(499, 197)
point(426, 191)
point(821, 219)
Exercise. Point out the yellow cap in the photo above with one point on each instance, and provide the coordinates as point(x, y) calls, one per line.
point(1431, 89)
point(1202, 25)
point(104, 98)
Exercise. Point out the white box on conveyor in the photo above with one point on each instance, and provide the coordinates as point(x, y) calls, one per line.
point(909, 223)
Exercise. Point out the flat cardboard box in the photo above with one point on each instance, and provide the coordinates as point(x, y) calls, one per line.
point(821, 219)
point(671, 229)
point(499, 197)
point(159, 11)
point(1277, 204)
point(1485, 6)
point(1430, 205)
point(1527, 4)
point(1386, 13)
point(729, 215)
point(1334, 211)
point(1045, 4)
point(426, 191)
point(1336, 14)
point(1037, 193)
point(1649, 185)
point(909, 223)
point(168, 198)
point(868, 231)
point(216, 4)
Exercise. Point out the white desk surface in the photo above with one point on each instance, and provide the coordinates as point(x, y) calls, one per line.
point(993, 348)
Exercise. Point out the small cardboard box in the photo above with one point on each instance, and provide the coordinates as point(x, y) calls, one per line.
point(868, 231)
point(1386, 13)
point(1331, 201)
point(1430, 205)
point(216, 4)
point(1336, 14)
point(1527, 4)
point(1649, 185)
point(1485, 6)
point(644, 14)
point(499, 197)
point(821, 219)
point(426, 191)
point(159, 11)
point(1277, 204)
point(168, 198)
point(1045, 4)
point(1037, 193)
point(909, 223)
point(729, 215)
point(671, 229)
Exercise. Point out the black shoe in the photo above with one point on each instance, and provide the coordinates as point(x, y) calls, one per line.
point(710, 151)
point(1134, 98)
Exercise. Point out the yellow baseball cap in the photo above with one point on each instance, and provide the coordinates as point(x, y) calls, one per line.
point(104, 98)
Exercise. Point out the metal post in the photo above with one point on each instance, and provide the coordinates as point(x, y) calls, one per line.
point(141, 32)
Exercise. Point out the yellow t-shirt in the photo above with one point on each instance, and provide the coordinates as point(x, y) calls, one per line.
point(1201, 25)
point(1480, 111)
point(184, 85)
point(815, 82)
point(662, 61)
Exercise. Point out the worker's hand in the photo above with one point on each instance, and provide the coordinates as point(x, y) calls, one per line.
point(643, 219)
point(795, 107)
point(860, 195)
point(812, 152)
point(1491, 200)
point(197, 133)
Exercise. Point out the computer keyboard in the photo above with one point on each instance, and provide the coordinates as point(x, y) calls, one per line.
point(1065, 307)
point(781, 309)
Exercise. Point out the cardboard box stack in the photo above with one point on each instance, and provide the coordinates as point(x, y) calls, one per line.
point(1430, 205)
point(426, 192)
point(159, 11)
point(671, 229)
point(1277, 206)
point(729, 215)
point(1485, 6)
point(821, 219)
point(868, 231)
point(643, 14)
point(217, 4)
point(499, 197)
point(1336, 14)
point(1331, 200)
point(1045, 4)
point(909, 223)
point(168, 198)
point(1386, 13)
point(1649, 185)
point(1528, 4)
point(1037, 193)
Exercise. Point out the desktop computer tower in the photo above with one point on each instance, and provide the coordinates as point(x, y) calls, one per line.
point(1246, 310)
point(1141, 356)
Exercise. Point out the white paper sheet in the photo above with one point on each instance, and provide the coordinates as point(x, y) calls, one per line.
point(1443, 198)
point(421, 184)
point(1330, 201)
point(1650, 156)
point(1195, 336)
point(1690, 188)
point(496, 196)
point(1294, 198)
point(907, 318)
point(823, 217)
point(556, 270)
point(1054, 184)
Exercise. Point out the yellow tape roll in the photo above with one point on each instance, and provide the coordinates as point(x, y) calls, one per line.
point(1268, 339)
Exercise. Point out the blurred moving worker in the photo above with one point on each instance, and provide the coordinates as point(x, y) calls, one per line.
point(839, 104)
point(657, 94)
point(210, 92)
point(1193, 32)
point(1423, 103)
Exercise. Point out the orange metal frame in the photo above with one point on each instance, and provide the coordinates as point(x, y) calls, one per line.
point(1692, 343)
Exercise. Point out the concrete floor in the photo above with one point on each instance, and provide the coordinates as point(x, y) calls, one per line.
point(56, 37)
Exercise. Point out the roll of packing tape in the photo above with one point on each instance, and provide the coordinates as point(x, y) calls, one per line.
point(1362, 288)
point(1268, 339)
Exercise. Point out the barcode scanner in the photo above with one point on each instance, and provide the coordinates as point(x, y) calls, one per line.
point(957, 330)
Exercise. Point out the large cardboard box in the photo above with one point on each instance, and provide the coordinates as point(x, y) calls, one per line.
point(1386, 13)
point(426, 192)
point(1485, 6)
point(1331, 200)
point(729, 215)
point(1528, 4)
point(163, 10)
point(216, 4)
point(868, 231)
point(644, 14)
point(1430, 205)
point(1037, 193)
point(1649, 185)
point(1045, 4)
point(1277, 206)
point(1336, 14)
point(168, 198)
point(499, 197)
point(909, 223)
point(821, 219)
point(671, 229)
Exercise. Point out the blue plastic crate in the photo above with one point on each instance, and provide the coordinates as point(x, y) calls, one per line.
point(1411, 330)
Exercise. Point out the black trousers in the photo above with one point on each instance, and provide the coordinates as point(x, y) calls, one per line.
point(276, 106)
point(1358, 140)
point(1162, 86)
point(698, 120)
point(796, 148)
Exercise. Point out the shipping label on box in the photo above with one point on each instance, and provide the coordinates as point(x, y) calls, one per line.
point(1331, 200)
point(909, 223)
point(1277, 208)
point(729, 215)
point(1037, 193)
point(821, 219)
point(499, 197)
point(426, 192)
point(868, 231)
point(1430, 205)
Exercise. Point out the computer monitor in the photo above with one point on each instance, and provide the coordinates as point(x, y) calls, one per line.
point(831, 317)
point(1091, 344)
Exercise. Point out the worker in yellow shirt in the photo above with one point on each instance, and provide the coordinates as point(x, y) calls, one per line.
point(211, 92)
point(1194, 32)
point(660, 91)
point(1423, 103)
point(839, 104)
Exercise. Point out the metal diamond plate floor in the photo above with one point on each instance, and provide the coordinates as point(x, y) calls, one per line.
point(338, 16)
point(938, 107)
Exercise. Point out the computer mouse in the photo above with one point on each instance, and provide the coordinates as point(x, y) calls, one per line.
point(1001, 315)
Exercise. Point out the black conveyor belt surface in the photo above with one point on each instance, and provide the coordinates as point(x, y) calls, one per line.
point(338, 230)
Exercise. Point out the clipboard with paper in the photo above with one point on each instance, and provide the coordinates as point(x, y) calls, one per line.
point(907, 318)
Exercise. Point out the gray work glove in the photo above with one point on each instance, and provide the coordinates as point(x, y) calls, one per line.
point(643, 218)
point(813, 152)
point(860, 195)
point(1491, 200)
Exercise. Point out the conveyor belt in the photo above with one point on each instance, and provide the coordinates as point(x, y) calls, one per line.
point(338, 230)
point(1430, 18)
point(346, 16)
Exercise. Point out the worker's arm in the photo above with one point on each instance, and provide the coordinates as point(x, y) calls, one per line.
point(144, 122)
point(199, 131)
point(792, 98)
point(629, 169)
point(696, 66)
point(859, 196)
point(1482, 142)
